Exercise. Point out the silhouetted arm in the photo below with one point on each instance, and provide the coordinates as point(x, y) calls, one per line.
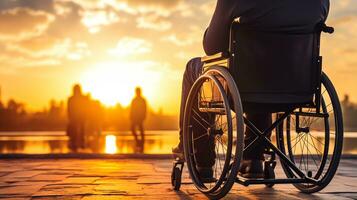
point(131, 113)
point(325, 8)
point(216, 37)
point(69, 109)
point(144, 108)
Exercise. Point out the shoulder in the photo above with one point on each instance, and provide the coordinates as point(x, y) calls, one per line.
point(326, 7)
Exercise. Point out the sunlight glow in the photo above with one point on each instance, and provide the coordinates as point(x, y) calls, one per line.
point(115, 82)
point(111, 144)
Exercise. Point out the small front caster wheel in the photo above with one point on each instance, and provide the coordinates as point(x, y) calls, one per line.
point(176, 178)
point(269, 174)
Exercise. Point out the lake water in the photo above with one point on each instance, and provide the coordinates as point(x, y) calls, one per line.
point(157, 142)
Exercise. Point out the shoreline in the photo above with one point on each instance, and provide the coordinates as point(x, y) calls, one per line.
point(107, 156)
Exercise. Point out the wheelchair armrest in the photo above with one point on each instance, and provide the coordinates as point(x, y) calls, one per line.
point(327, 29)
point(215, 57)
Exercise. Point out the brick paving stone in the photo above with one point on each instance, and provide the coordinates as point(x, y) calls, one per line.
point(21, 174)
point(29, 182)
point(20, 189)
point(80, 180)
point(64, 190)
point(49, 177)
point(64, 197)
point(14, 198)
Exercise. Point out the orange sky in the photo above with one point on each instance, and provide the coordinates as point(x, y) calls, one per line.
point(112, 46)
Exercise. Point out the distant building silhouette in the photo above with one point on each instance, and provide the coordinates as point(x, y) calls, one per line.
point(349, 113)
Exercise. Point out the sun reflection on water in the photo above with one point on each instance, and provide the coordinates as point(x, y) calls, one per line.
point(111, 144)
point(156, 142)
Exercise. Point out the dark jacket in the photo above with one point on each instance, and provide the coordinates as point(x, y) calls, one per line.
point(270, 68)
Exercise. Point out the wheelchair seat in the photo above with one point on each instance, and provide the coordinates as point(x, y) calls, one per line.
point(275, 71)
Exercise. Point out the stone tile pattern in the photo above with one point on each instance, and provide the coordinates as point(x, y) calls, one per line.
point(138, 179)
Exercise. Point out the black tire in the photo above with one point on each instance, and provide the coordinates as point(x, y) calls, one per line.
point(230, 137)
point(327, 155)
point(176, 178)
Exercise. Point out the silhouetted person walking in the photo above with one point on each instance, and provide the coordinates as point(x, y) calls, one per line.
point(137, 117)
point(76, 118)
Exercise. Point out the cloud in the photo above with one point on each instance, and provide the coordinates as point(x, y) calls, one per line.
point(95, 19)
point(8, 60)
point(48, 48)
point(342, 8)
point(62, 8)
point(130, 46)
point(23, 23)
point(179, 42)
point(95, 14)
point(162, 7)
point(153, 22)
point(148, 14)
point(183, 55)
point(208, 7)
point(159, 7)
point(191, 37)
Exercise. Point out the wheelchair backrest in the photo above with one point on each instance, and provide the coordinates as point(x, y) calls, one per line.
point(275, 67)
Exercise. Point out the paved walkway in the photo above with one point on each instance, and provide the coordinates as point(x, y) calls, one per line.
point(137, 179)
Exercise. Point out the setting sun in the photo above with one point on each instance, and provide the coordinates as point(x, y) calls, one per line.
point(110, 144)
point(114, 82)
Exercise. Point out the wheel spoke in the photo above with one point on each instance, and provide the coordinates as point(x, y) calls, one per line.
point(317, 139)
point(317, 150)
point(312, 140)
point(301, 158)
point(199, 122)
point(314, 159)
point(196, 112)
point(300, 137)
point(199, 137)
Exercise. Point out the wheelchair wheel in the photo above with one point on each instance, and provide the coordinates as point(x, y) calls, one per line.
point(213, 133)
point(314, 141)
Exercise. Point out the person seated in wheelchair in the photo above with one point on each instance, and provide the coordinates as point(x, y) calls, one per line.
point(270, 15)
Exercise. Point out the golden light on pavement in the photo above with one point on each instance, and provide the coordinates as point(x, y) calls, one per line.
point(111, 144)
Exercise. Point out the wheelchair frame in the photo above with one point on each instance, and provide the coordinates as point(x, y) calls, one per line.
point(226, 59)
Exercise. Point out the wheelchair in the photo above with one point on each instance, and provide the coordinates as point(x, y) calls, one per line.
point(275, 72)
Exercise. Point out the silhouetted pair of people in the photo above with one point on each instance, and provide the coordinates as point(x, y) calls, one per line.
point(85, 117)
point(137, 117)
